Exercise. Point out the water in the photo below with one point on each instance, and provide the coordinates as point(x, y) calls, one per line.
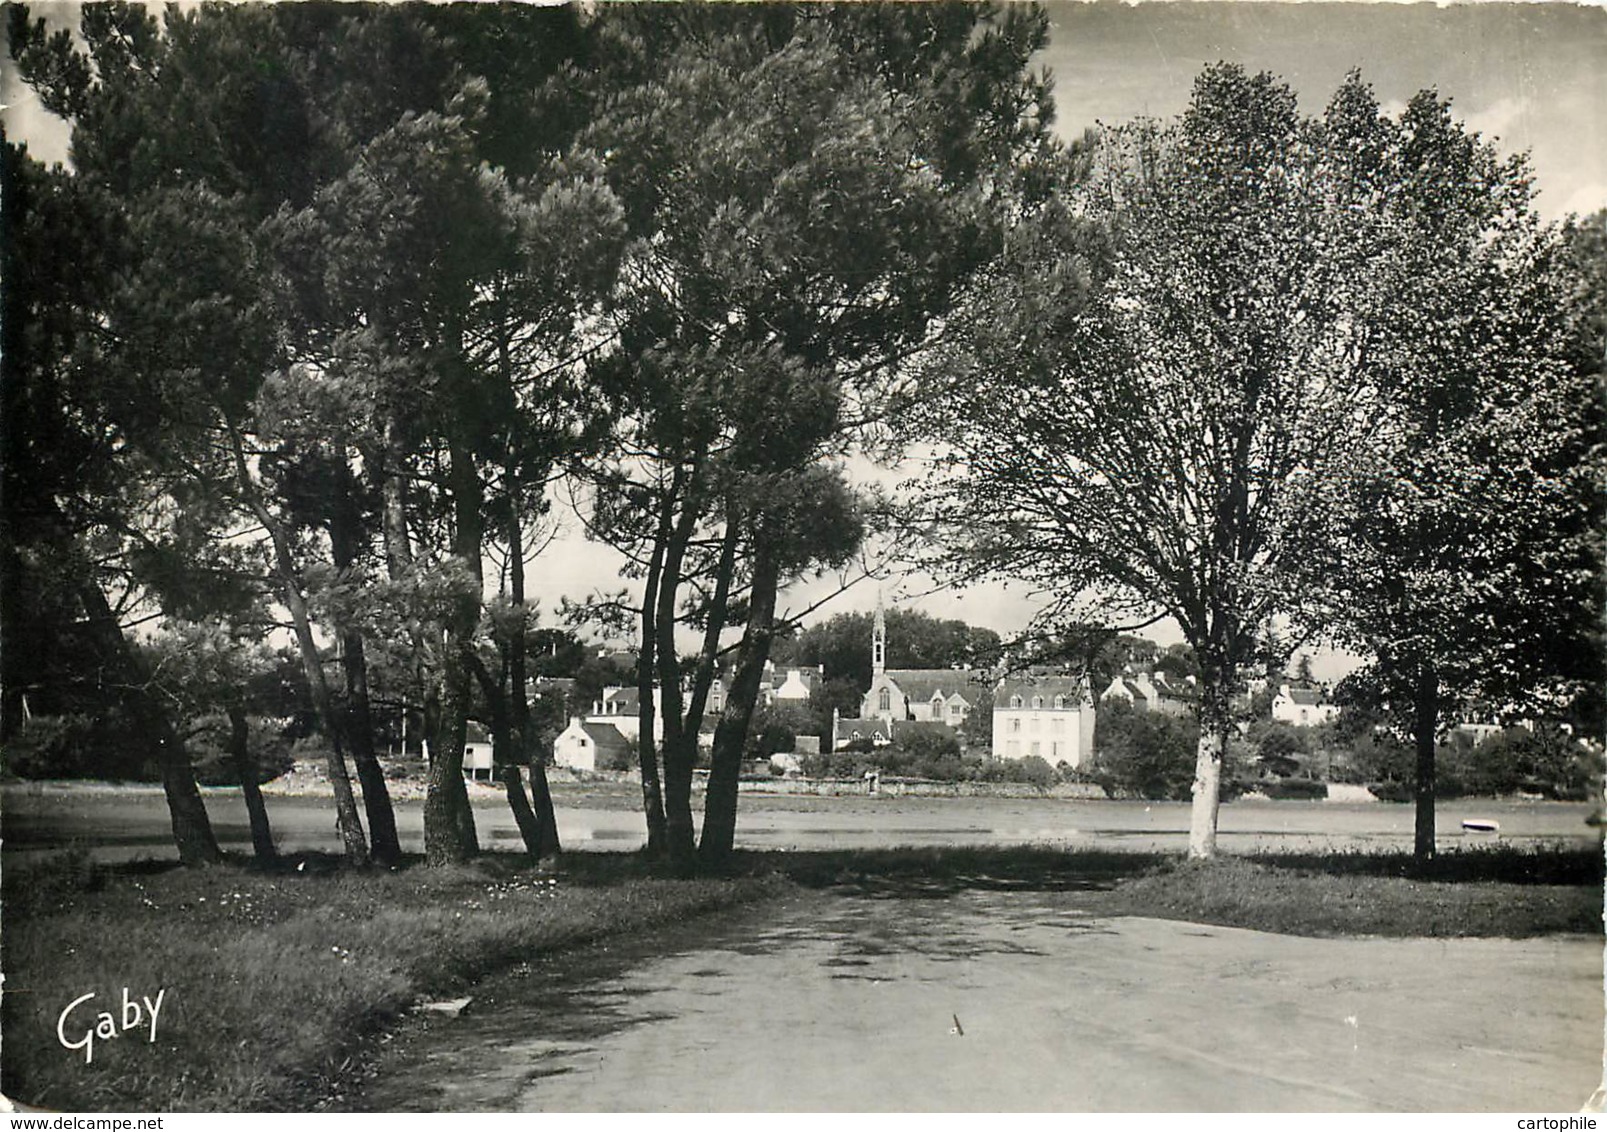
point(134, 823)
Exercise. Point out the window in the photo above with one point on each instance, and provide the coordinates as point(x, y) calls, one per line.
point(1012, 749)
point(1060, 725)
point(1060, 703)
point(954, 709)
point(886, 700)
point(1015, 701)
point(1035, 746)
point(1015, 725)
point(1037, 702)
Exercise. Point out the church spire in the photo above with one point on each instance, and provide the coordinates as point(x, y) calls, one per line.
point(878, 639)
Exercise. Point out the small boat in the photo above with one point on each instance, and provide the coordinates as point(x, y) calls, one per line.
point(1480, 825)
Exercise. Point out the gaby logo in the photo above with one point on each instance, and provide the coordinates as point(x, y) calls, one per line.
point(135, 1015)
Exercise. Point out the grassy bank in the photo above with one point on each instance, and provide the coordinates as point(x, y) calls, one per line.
point(1478, 893)
point(1493, 891)
point(273, 979)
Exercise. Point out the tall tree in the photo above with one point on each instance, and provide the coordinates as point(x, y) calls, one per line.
point(805, 198)
point(77, 499)
point(1153, 394)
point(1471, 566)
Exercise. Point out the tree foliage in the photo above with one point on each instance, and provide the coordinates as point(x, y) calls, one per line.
point(1153, 396)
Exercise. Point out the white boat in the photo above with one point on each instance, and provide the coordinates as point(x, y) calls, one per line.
point(1480, 825)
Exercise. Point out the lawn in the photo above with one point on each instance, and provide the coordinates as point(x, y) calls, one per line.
point(273, 980)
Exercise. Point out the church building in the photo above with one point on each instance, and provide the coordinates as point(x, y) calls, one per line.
point(924, 695)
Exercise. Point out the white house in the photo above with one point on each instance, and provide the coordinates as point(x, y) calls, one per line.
point(1045, 715)
point(1149, 692)
point(477, 758)
point(585, 745)
point(1303, 707)
point(618, 709)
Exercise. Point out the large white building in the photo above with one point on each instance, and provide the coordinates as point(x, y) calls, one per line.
point(1045, 715)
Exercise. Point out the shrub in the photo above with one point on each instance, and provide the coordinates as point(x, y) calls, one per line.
point(1292, 789)
point(1145, 753)
point(1391, 791)
point(76, 746)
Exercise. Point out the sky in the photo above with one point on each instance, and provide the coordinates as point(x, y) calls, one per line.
point(1530, 76)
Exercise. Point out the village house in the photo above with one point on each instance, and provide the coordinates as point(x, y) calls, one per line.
point(845, 732)
point(1043, 714)
point(1150, 691)
point(1302, 707)
point(784, 686)
point(620, 707)
point(585, 745)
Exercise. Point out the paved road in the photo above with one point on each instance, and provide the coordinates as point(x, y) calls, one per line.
point(846, 1002)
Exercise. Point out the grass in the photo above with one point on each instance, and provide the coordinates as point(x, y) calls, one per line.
point(1486, 892)
point(274, 979)
point(1494, 891)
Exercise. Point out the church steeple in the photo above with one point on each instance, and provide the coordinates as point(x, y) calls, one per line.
point(878, 640)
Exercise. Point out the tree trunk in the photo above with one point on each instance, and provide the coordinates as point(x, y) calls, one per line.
point(387, 847)
point(1426, 718)
point(346, 819)
point(680, 747)
point(646, 670)
point(246, 769)
point(731, 735)
point(346, 816)
point(192, 830)
point(1216, 720)
point(523, 752)
point(343, 542)
point(449, 834)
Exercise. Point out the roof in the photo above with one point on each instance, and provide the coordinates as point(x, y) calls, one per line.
point(1072, 687)
point(920, 684)
point(606, 736)
point(620, 701)
point(867, 728)
point(1309, 697)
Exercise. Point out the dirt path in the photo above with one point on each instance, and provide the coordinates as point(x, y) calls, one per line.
point(848, 1002)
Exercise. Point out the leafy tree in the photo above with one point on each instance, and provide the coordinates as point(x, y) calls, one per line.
point(804, 196)
point(1151, 400)
point(842, 644)
point(1144, 753)
point(78, 504)
point(977, 730)
point(1470, 566)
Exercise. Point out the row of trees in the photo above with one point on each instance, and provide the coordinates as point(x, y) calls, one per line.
point(333, 295)
point(1253, 368)
point(1150, 755)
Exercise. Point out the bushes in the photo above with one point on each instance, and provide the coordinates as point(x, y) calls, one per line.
point(928, 751)
point(77, 746)
point(1146, 754)
point(1546, 761)
point(1294, 789)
